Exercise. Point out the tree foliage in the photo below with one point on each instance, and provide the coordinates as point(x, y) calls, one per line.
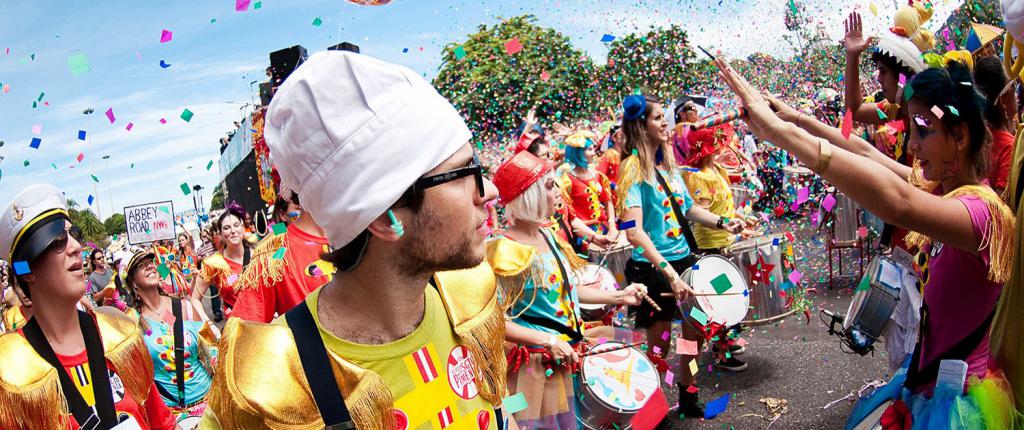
point(494, 89)
point(658, 63)
point(115, 224)
point(217, 199)
point(92, 229)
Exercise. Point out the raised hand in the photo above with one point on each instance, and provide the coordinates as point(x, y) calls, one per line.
point(855, 41)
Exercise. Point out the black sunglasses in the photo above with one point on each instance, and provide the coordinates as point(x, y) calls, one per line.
point(60, 244)
point(442, 178)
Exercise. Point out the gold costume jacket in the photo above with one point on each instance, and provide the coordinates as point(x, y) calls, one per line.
point(259, 383)
point(30, 393)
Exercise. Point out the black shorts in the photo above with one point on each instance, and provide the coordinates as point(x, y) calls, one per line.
point(645, 273)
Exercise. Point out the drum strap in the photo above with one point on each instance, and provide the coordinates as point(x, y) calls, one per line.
point(557, 326)
point(683, 224)
point(960, 351)
point(179, 349)
point(317, 367)
point(100, 416)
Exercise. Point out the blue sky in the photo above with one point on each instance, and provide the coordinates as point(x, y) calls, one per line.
point(216, 52)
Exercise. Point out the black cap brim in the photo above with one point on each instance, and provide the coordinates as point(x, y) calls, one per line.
point(38, 237)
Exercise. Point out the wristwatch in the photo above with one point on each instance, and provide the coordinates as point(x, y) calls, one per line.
point(721, 222)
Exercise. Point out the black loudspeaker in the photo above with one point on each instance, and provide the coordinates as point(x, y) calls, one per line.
point(344, 46)
point(266, 93)
point(284, 62)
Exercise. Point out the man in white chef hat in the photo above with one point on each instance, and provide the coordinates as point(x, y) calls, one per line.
point(408, 332)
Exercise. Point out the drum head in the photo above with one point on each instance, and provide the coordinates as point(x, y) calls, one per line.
point(712, 271)
point(189, 423)
point(594, 276)
point(624, 379)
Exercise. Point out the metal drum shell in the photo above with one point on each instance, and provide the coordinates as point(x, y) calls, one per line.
point(595, 413)
point(765, 299)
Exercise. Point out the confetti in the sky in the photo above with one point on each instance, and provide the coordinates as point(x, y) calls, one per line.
point(186, 115)
point(166, 36)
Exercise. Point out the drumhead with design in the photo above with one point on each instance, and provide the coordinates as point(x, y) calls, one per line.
point(624, 379)
point(727, 306)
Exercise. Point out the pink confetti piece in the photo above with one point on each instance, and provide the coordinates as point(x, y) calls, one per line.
point(242, 5)
point(669, 377)
point(795, 276)
point(862, 232)
point(686, 347)
point(163, 121)
point(110, 115)
point(664, 335)
point(513, 46)
point(166, 36)
point(802, 195)
point(129, 126)
point(938, 111)
point(545, 76)
point(847, 124)
point(36, 129)
point(80, 157)
point(828, 203)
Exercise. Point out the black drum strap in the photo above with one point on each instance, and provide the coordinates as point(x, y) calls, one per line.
point(565, 285)
point(179, 349)
point(960, 351)
point(102, 416)
point(316, 365)
point(683, 223)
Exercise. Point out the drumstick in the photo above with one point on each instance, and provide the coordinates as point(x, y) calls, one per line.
point(605, 256)
point(618, 348)
point(703, 294)
point(650, 301)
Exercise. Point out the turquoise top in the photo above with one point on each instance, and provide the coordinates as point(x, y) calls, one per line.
point(160, 342)
point(555, 300)
point(660, 222)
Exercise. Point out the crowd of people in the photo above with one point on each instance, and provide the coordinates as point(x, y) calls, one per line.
point(411, 281)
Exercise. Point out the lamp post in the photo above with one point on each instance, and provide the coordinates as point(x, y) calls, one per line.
point(197, 204)
point(110, 193)
point(92, 165)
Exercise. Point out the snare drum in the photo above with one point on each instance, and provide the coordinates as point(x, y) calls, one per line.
point(724, 292)
point(761, 259)
point(874, 302)
point(594, 276)
point(614, 257)
point(614, 386)
point(844, 216)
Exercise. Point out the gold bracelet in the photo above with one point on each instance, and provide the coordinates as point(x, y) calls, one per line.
point(824, 156)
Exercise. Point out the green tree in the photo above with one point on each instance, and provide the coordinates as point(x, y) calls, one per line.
point(217, 199)
point(958, 25)
point(658, 63)
point(494, 89)
point(115, 224)
point(92, 229)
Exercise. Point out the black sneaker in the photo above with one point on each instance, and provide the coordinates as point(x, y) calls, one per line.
point(690, 405)
point(731, 364)
point(734, 349)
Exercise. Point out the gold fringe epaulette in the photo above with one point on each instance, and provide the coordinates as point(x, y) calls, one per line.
point(1006, 337)
point(207, 347)
point(215, 269)
point(917, 178)
point(30, 394)
point(630, 173)
point(470, 298)
point(997, 237)
point(514, 263)
point(264, 270)
point(259, 384)
point(13, 318)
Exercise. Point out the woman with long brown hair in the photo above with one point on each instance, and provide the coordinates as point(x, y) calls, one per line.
point(653, 197)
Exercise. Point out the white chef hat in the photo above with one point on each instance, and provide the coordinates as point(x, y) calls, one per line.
point(1013, 15)
point(351, 134)
point(902, 49)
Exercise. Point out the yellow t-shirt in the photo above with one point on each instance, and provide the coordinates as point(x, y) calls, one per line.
point(710, 189)
point(431, 376)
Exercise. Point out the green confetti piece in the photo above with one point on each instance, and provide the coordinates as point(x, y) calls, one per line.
point(280, 228)
point(460, 52)
point(257, 5)
point(721, 283)
point(881, 115)
point(185, 188)
point(279, 254)
point(209, 165)
point(317, 22)
point(132, 166)
point(163, 270)
point(514, 403)
point(213, 20)
point(54, 165)
point(26, 163)
point(165, 210)
point(699, 315)
point(864, 285)
point(94, 178)
point(186, 115)
point(40, 97)
point(953, 110)
point(640, 250)
point(908, 92)
point(78, 64)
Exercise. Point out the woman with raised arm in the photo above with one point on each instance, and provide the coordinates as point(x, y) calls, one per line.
point(964, 231)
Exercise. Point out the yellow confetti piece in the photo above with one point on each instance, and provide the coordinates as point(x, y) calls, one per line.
point(693, 367)
point(874, 9)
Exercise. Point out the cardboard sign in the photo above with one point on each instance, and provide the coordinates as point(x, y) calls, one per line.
point(149, 222)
